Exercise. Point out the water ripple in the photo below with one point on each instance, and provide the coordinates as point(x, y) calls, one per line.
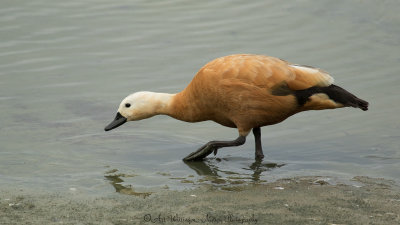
point(65, 65)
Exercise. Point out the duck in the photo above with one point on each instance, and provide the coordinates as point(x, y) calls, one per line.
point(241, 91)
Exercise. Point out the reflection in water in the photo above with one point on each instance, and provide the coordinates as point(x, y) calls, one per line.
point(258, 167)
point(203, 168)
point(116, 182)
point(210, 171)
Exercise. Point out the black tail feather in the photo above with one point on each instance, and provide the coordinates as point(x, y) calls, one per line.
point(362, 104)
point(335, 93)
point(346, 98)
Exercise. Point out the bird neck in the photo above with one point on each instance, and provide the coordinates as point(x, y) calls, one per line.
point(161, 102)
point(179, 106)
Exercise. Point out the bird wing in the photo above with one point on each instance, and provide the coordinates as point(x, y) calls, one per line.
point(306, 77)
point(271, 72)
point(263, 72)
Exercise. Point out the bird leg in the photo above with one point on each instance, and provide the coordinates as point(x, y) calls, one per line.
point(257, 137)
point(213, 146)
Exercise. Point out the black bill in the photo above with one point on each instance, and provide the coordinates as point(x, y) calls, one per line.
point(118, 121)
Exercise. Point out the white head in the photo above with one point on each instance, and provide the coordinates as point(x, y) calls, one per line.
point(138, 106)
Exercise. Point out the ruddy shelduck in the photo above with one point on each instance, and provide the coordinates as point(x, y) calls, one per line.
point(241, 91)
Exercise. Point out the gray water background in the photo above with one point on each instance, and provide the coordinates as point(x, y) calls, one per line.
point(66, 65)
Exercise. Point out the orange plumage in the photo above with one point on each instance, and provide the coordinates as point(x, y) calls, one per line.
point(241, 91)
point(235, 91)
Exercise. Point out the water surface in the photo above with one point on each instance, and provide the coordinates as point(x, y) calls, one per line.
point(65, 66)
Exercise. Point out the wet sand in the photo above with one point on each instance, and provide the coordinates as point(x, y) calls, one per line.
point(302, 200)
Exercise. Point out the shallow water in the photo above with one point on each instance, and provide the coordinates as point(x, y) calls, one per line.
point(65, 66)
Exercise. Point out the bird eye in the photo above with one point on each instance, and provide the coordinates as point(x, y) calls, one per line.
point(127, 105)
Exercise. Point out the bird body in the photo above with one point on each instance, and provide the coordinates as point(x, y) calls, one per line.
point(243, 91)
point(237, 91)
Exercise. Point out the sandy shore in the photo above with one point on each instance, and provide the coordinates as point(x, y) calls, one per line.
point(304, 200)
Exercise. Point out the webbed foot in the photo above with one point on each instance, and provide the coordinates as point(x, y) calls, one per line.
point(213, 146)
point(202, 152)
